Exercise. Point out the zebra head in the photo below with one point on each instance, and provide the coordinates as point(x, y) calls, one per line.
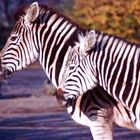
point(76, 79)
point(20, 49)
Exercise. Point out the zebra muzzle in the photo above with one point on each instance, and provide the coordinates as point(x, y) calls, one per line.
point(5, 74)
point(69, 102)
point(60, 96)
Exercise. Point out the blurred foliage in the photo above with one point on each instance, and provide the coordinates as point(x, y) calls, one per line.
point(120, 17)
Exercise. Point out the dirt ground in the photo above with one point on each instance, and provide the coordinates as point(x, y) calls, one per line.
point(37, 118)
point(27, 112)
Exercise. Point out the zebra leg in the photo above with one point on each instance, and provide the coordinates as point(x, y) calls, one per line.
point(100, 112)
point(102, 127)
point(93, 111)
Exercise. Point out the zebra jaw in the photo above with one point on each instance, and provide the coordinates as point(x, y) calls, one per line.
point(5, 74)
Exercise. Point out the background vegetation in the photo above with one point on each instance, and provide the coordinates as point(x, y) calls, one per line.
point(120, 17)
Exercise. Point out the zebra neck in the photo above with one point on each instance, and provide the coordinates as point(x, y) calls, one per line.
point(56, 38)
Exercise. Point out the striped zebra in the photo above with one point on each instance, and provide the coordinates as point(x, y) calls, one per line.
point(43, 34)
point(111, 63)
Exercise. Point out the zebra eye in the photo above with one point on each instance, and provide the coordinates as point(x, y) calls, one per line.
point(71, 67)
point(13, 38)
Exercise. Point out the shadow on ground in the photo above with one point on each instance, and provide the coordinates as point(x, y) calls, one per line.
point(53, 126)
point(12, 96)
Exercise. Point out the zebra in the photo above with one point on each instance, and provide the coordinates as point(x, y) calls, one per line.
point(111, 63)
point(43, 34)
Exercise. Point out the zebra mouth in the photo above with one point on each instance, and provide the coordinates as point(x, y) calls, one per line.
point(5, 74)
point(60, 97)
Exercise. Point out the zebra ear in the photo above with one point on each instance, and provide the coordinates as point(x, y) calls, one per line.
point(32, 12)
point(89, 41)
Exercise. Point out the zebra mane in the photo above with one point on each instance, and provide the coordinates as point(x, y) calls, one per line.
point(21, 12)
point(59, 14)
